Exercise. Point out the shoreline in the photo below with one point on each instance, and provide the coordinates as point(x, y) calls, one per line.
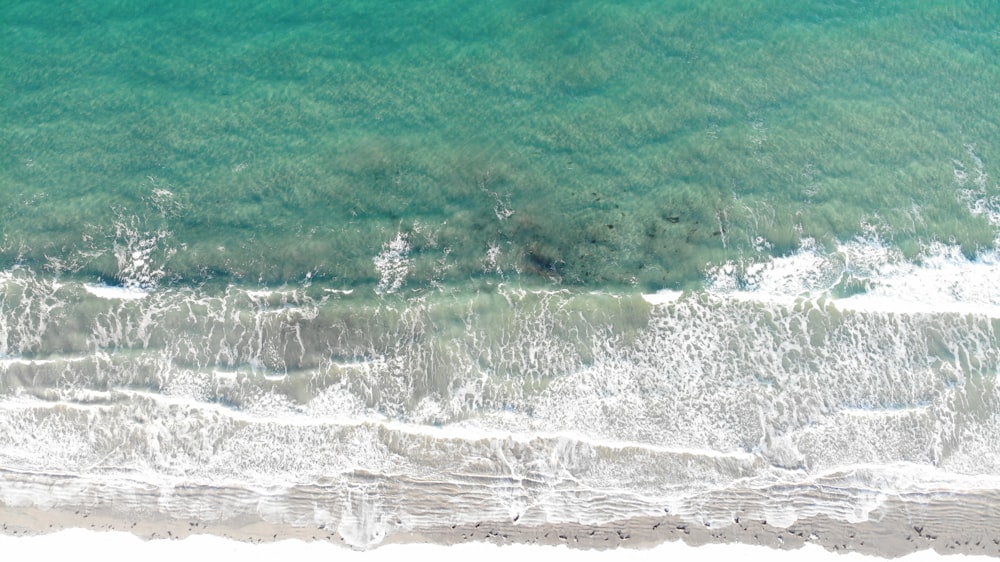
point(889, 534)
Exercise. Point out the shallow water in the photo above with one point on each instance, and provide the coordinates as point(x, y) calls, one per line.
point(589, 144)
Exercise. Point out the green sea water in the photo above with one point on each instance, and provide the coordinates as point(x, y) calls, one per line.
point(410, 145)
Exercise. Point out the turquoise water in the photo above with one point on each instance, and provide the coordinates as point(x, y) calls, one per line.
point(581, 143)
point(385, 267)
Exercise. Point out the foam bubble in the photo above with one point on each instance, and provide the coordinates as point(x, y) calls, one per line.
point(506, 397)
point(941, 280)
point(393, 264)
point(662, 297)
point(139, 253)
point(116, 293)
point(944, 280)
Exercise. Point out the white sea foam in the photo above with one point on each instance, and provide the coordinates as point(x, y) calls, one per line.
point(662, 297)
point(808, 271)
point(650, 406)
point(393, 264)
point(116, 293)
point(8, 361)
point(942, 280)
point(261, 294)
point(339, 291)
point(139, 252)
point(469, 432)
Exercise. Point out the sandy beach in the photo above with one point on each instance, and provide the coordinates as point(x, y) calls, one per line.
point(968, 525)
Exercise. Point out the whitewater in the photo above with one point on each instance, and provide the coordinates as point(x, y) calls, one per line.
point(771, 396)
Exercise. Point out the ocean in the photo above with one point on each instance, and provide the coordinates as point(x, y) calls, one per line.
point(379, 267)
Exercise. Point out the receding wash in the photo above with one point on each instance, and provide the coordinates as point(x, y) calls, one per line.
point(595, 273)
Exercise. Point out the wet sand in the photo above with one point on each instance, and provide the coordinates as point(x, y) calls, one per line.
point(956, 523)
